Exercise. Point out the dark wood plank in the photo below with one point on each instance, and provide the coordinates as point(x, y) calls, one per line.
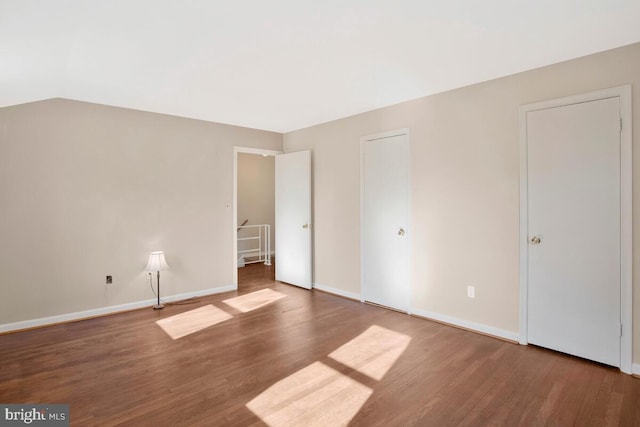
point(125, 370)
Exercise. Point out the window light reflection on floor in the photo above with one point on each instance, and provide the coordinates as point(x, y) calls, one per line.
point(314, 396)
point(318, 395)
point(373, 352)
point(257, 299)
point(189, 322)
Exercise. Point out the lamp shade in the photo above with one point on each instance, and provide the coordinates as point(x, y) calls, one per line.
point(157, 262)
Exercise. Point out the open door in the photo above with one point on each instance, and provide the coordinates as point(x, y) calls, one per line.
point(293, 219)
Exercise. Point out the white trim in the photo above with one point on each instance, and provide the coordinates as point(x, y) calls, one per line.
point(375, 137)
point(336, 291)
point(272, 253)
point(80, 315)
point(626, 232)
point(236, 150)
point(478, 327)
point(636, 369)
point(524, 229)
point(241, 257)
point(386, 134)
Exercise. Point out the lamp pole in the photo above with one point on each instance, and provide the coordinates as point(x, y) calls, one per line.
point(156, 263)
point(158, 306)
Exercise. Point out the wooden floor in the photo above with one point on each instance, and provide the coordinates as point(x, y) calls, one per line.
point(126, 370)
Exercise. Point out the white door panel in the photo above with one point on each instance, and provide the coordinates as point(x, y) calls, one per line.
point(385, 221)
point(293, 218)
point(574, 210)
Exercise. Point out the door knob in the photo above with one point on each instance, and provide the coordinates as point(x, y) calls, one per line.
point(535, 240)
point(305, 226)
point(401, 232)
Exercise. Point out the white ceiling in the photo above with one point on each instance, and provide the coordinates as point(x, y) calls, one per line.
point(282, 65)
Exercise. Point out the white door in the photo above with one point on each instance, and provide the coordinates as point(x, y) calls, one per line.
point(385, 219)
point(293, 218)
point(574, 229)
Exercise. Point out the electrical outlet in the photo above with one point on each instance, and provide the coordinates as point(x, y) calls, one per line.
point(109, 280)
point(471, 291)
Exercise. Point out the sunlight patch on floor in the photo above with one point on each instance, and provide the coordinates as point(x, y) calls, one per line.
point(318, 395)
point(187, 323)
point(314, 396)
point(257, 299)
point(373, 352)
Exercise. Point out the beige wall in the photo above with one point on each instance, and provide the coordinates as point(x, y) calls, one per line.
point(464, 187)
point(256, 195)
point(88, 190)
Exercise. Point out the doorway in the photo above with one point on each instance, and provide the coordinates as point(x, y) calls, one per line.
point(384, 207)
point(289, 177)
point(576, 226)
point(253, 213)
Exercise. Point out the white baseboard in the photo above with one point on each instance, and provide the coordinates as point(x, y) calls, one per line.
point(272, 253)
point(335, 291)
point(636, 369)
point(44, 321)
point(478, 327)
point(201, 293)
point(241, 258)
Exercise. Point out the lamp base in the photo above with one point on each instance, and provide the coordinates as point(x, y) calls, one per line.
point(158, 306)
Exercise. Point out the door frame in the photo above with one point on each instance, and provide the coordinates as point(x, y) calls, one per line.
point(363, 140)
point(236, 151)
point(626, 237)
